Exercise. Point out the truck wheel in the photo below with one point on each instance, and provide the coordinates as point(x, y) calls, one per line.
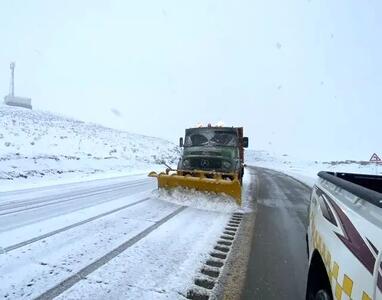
point(241, 175)
point(322, 295)
point(318, 287)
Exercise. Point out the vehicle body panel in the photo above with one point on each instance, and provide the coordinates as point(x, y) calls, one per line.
point(347, 232)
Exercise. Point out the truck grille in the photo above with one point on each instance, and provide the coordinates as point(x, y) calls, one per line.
point(205, 163)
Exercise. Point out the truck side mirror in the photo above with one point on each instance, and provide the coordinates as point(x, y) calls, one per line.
point(245, 142)
point(181, 142)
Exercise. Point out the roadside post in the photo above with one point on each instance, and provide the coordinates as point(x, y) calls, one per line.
point(375, 158)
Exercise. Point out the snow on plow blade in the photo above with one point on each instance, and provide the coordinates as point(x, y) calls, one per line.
point(200, 183)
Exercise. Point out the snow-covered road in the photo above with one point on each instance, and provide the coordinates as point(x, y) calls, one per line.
point(103, 239)
point(29, 206)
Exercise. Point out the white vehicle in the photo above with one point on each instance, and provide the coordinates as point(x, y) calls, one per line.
point(345, 237)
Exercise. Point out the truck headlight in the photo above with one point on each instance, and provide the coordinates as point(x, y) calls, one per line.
point(226, 165)
point(186, 164)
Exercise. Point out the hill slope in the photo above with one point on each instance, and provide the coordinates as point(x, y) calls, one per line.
point(36, 144)
point(307, 170)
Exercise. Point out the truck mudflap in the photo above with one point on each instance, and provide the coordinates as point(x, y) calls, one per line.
point(220, 183)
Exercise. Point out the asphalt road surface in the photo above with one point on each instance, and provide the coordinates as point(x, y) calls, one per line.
point(278, 263)
point(53, 236)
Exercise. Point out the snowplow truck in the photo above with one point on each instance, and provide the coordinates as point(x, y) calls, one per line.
point(212, 160)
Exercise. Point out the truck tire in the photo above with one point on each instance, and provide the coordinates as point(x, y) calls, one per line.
point(318, 287)
point(241, 175)
point(322, 295)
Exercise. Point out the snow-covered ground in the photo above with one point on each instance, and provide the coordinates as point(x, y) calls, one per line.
point(46, 148)
point(74, 225)
point(306, 170)
point(107, 239)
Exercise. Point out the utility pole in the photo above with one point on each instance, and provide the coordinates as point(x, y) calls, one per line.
point(12, 83)
point(11, 99)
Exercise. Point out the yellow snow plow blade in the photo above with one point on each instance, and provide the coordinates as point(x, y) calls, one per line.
point(200, 182)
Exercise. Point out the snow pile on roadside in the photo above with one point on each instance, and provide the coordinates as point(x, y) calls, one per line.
point(36, 144)
point(248, 187)
point(306, 171)
point(200, 200)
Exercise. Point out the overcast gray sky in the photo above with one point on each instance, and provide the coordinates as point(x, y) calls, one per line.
point(303, 77)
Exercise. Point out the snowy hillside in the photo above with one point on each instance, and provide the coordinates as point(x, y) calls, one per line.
point(35, 144)
point(307, 170)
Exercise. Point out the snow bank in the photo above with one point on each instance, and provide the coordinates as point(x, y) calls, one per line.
point(201, 200)
point(306, 171)
point(36, 144)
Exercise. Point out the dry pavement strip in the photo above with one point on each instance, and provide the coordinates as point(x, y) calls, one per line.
point(269, 256)
point(278, 263)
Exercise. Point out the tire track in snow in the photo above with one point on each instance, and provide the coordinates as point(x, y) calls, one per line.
point(76, 186)
point(46, 235)
point(72, 280)
point(39, 204)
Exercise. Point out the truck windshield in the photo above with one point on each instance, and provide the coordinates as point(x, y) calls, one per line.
point(211, 138)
